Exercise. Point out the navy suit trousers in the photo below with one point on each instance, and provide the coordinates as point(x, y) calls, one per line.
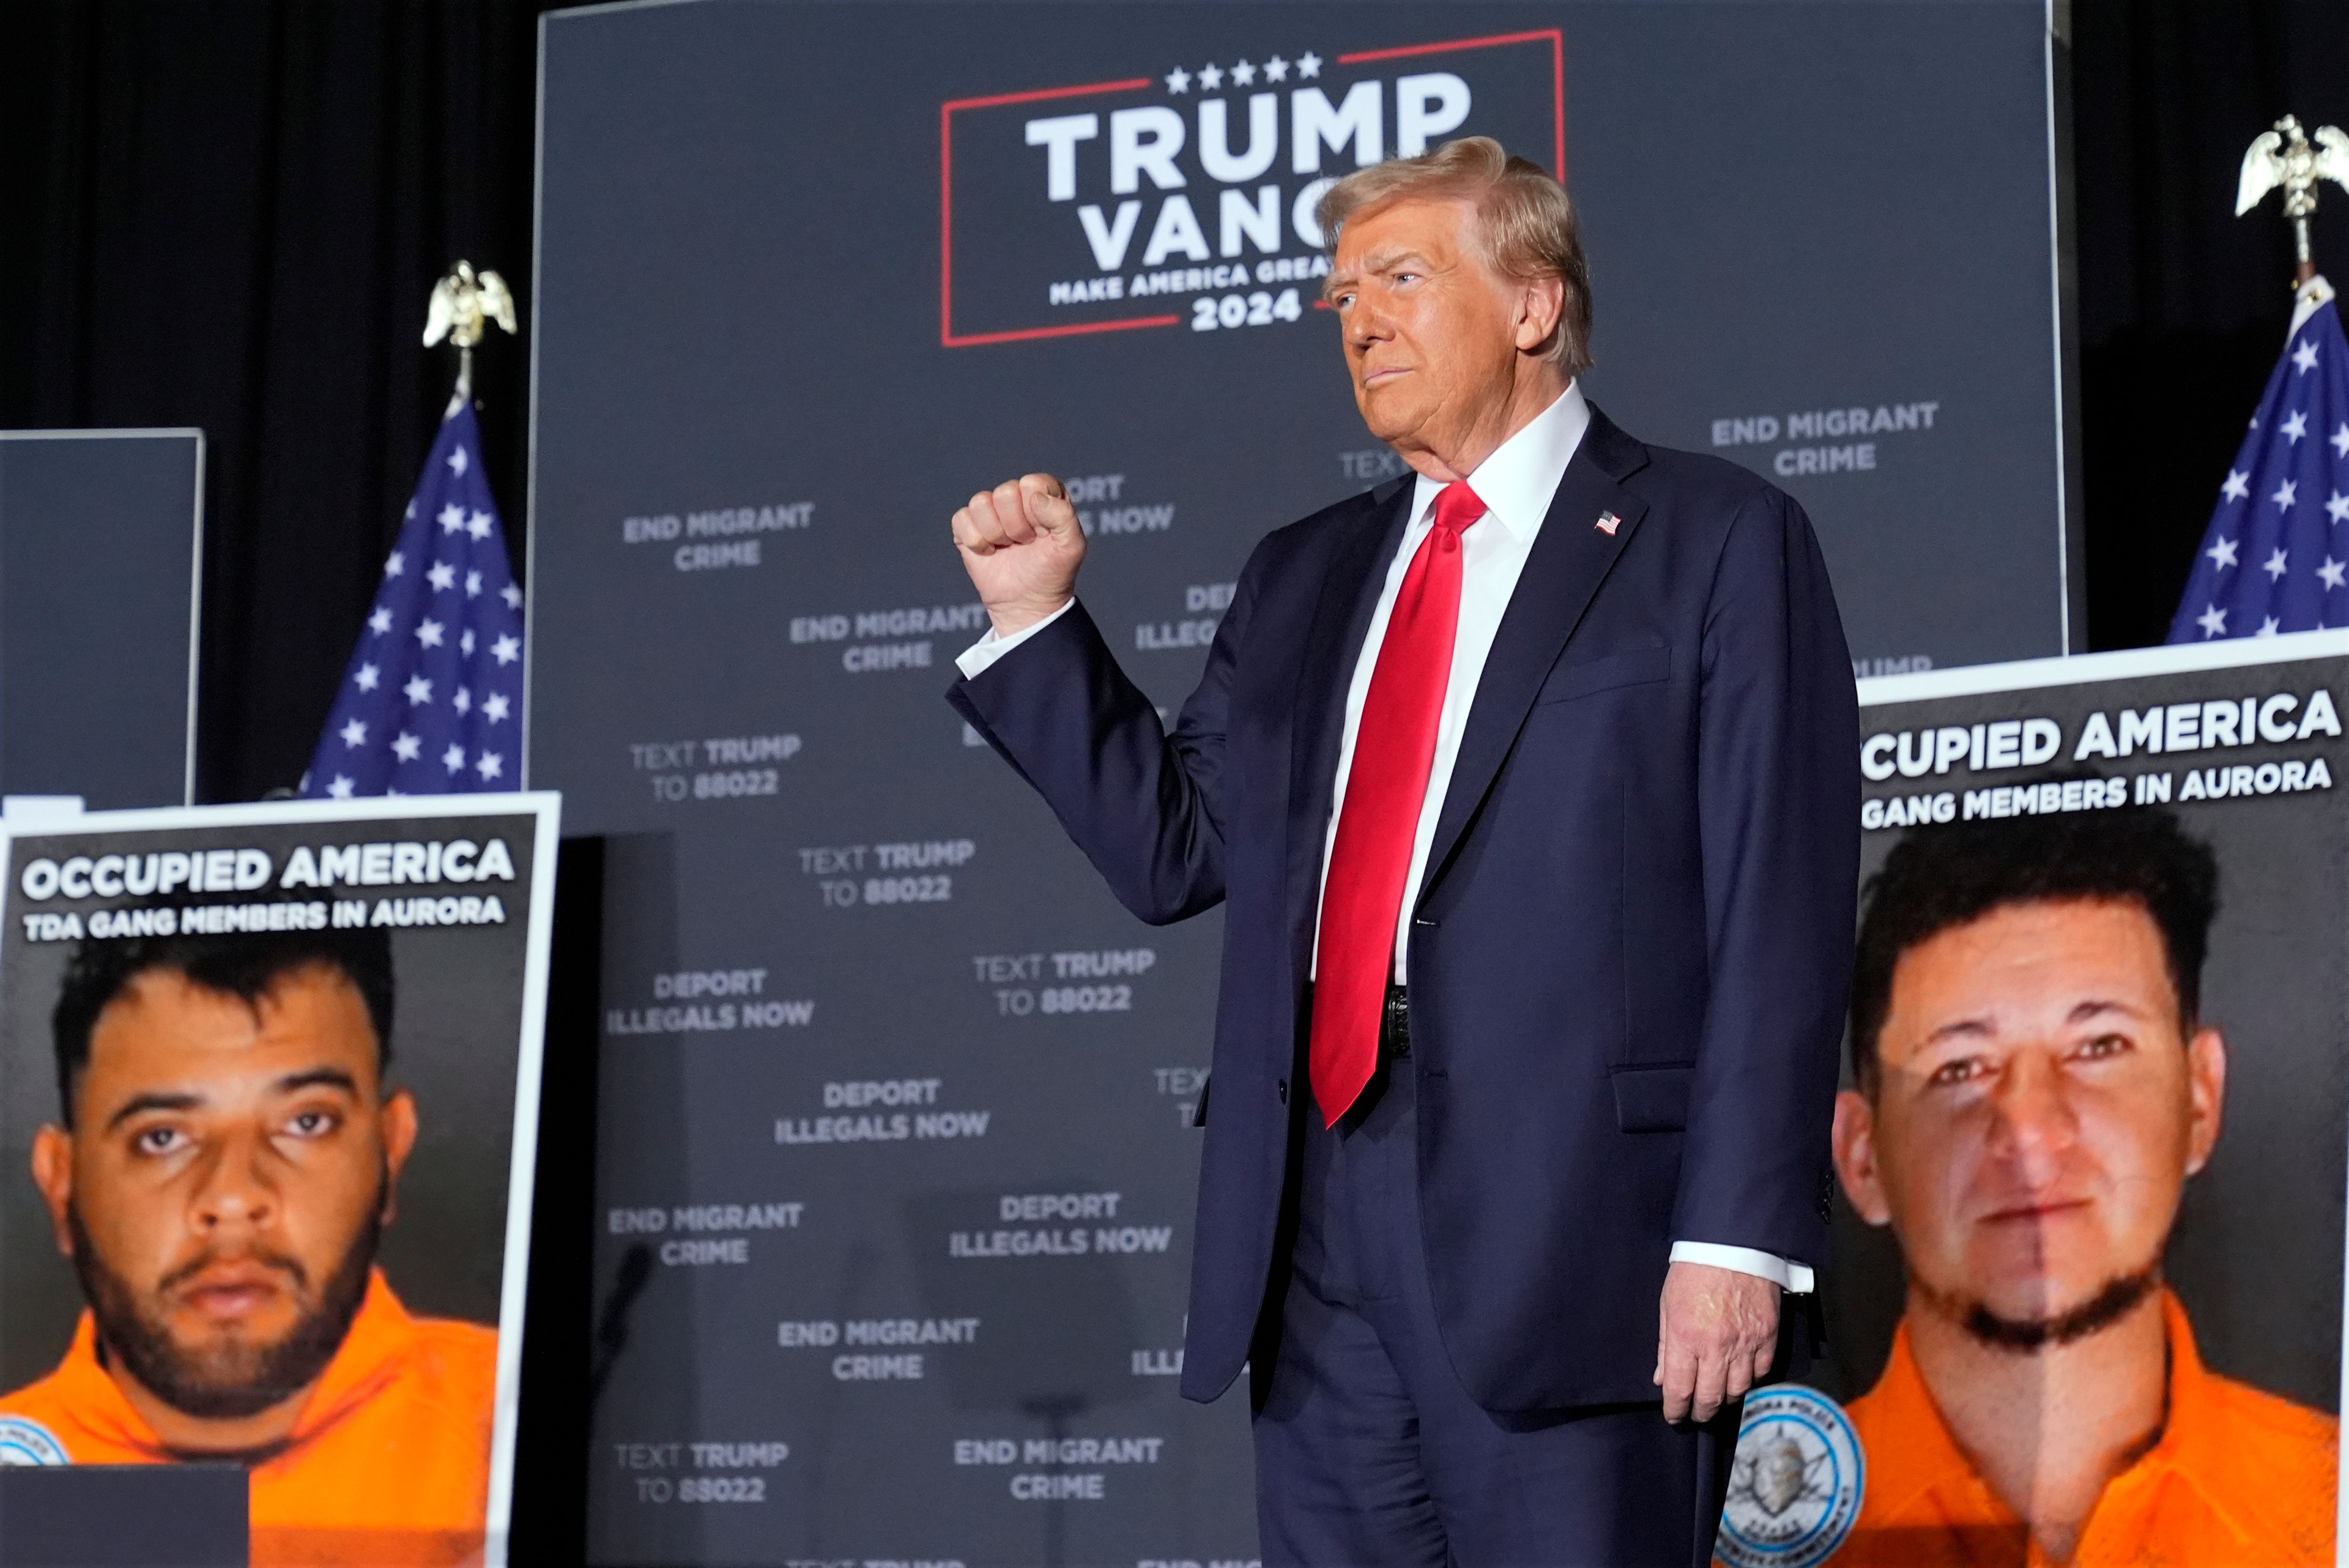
point(1369, 1454)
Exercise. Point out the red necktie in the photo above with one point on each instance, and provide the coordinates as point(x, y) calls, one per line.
point(1394, 746)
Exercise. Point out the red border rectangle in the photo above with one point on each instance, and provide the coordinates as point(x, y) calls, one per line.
point(946, 335)
point(1557, 38)
point(946, 223)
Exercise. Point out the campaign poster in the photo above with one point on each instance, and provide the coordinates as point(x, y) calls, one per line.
point(2085, 1301)
point(268, 1103)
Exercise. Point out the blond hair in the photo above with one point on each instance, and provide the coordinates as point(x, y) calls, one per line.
point(1526, 225)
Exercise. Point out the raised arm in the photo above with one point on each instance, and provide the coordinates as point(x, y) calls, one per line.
point(1142, 804)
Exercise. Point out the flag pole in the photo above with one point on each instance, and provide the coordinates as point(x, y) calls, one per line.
point(2272, 561)
point(431, 700)
point(463, 302)
point(2285, 157)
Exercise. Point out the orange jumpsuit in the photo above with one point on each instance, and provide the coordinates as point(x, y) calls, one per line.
point(2238, 1477)
point(387, 1466)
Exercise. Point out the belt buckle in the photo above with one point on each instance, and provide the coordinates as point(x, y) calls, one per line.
point(1395, 1022)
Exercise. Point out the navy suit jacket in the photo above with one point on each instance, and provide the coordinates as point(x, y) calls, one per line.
point(1629, 954)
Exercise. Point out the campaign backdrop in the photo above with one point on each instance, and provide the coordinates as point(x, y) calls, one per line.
point(463, 889)
point(2243, 743)
point(895, 1163)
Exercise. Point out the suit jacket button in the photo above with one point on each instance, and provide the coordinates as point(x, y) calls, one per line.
point(1284, 1091)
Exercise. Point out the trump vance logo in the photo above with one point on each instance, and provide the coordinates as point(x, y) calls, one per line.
point(1185, 197)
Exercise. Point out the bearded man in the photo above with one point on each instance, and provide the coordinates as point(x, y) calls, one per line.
point(225, 1158)
point(2034, 1085)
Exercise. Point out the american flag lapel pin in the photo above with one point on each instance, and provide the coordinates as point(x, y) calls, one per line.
point(1609, 522)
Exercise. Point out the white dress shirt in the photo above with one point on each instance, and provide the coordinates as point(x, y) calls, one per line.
point(1516, 484)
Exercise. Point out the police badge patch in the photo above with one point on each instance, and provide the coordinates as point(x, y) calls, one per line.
point(24, 1442)
point(1795, 1487)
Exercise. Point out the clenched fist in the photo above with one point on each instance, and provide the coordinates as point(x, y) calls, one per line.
point(1021, 544)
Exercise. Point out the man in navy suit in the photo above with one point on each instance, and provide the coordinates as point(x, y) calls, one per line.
point(1530, 788)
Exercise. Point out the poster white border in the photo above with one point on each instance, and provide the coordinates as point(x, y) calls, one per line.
point(2128, 664)
point(2136, 664)
point(544, 810)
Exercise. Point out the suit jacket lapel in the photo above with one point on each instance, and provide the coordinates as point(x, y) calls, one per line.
point(1570, 557)
point(1333, 644)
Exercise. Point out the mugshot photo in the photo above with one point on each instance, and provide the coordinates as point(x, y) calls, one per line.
point(2089, 1150)
point(259, 1136)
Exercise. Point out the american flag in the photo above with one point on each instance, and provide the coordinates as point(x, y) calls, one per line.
point(2276, 555)
point(431, 704)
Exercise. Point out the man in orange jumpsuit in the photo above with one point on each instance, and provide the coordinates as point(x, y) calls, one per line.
point(226, 1158)
point(2034, 1086)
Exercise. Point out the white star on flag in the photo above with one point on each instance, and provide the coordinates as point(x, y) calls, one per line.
point(1178, 80)
point(2266, 513)
point(491, 765)
point(506, 649)
point(493, 706)
point(1308, 64)
point(341, 788)
point(406, 701)
point(1243, 73)
point(1276, 69)
point(1211, 77)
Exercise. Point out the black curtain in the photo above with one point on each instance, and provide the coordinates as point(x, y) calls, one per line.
point(230, 214)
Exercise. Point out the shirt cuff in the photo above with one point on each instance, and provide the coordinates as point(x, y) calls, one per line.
point(1791, 1277)
point(974, 661)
